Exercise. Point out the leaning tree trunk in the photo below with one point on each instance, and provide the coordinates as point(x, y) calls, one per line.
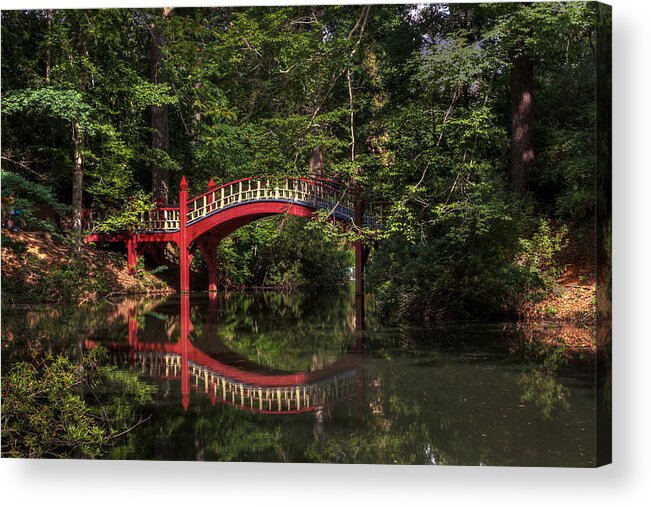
point(77, 176)
point(159, 114)
point(522, 152)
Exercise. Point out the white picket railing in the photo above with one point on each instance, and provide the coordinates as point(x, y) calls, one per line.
point(160, 219)
point(315, 193)
point(312, 192)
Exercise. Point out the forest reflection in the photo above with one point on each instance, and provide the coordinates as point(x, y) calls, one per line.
point(289, 377)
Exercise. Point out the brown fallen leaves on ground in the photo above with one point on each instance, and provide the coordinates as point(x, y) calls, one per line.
point(39, 247)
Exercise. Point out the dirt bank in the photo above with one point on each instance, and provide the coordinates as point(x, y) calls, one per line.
point(39, 267)
point(567, 316)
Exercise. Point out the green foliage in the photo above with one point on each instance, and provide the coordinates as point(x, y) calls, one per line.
point(459, 243)
point(464, 263)
point(67, 281)
point(284, 252)
point(121, 397)
point(68, 105)
point(128, 217)
point(43, 414)
point(28, 196)
point(538, 253)
point(550, 311)
point(54, 408)
point(548, 395)
point(255, 327)
point(411, 103)
point(539, 383)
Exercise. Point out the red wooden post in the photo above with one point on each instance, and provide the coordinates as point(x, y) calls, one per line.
point(133, 330)
point(212, 307)
point(212, 272)
point(359, 318)
point(211, 185)
point(132, 254)
point(185, 337)
point(209, 251)
point(183, 237)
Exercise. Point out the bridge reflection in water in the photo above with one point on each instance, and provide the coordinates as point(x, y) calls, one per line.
point(228, 378)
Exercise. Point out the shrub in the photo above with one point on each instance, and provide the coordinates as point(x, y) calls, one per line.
point(43, 414)
point(480, 260)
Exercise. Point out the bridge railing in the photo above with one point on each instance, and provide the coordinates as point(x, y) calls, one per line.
point(160, 219)
point(157, 219)
point(91, 219)
point(291, 398)
point(314, 192)
point(274, 399)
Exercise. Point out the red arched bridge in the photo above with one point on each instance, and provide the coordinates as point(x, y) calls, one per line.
point(235, 381)
point(201, 222)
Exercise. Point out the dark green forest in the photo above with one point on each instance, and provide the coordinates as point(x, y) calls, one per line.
point(476, 122)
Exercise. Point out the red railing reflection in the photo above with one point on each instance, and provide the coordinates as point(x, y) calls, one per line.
point(263, 392)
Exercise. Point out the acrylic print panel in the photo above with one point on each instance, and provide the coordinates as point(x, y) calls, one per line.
point(334, 234)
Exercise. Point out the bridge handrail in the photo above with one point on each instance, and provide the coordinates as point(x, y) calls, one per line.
point(291, 398)
point(160, 219)
point(314, 181)
point(286, 188)
point(318, 192)
point(323, 181)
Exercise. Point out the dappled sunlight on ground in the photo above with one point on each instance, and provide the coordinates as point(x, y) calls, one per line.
point(35, 262)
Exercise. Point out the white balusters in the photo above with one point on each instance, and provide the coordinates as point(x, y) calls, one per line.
point(300, 190)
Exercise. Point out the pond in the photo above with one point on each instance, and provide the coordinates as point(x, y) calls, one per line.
point(264, 376)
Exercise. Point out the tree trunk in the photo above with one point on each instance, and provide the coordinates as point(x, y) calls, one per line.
point(316, 162)
point(77, 176)
point(49, 14)
point(159, 114)
point(522, 153)
point(196, 125)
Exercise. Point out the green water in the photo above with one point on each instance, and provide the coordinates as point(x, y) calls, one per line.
point(462, 394)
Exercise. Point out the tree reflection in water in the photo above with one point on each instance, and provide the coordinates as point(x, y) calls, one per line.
point(221, 383)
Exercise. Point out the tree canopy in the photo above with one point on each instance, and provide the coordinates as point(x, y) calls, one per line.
point(421, 104)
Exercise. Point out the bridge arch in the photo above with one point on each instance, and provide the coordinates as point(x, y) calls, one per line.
point(225, 222)
point(200, 222)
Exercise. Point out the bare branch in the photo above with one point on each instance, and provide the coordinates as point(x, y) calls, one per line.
point(141, 421)
point(23, 164)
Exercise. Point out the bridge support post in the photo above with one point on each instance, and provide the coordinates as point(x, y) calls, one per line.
point(185, 337)
point(359, 318)
point(133, 330)
point(209, 251)
point(183, 238)
point(132, 255)
point(212, 277)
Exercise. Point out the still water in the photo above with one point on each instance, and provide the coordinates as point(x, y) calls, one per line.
point(290, 378)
